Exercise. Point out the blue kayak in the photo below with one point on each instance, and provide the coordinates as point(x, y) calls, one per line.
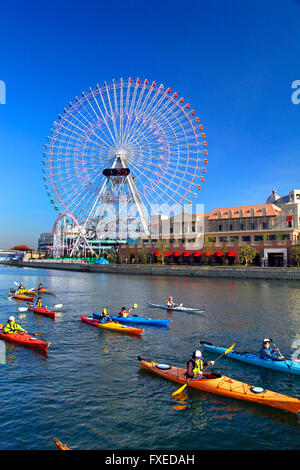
point(135, 319)
point(254, 359)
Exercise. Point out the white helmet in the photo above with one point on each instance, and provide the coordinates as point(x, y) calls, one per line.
point(266, 340)
point(11, 318)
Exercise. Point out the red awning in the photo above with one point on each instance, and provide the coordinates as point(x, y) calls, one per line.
point(186, 253)
point(289, 218)
point(231, 253)
point(219, 253)
point(167, 253)
point(197, 253)
point(207, 253)
point(157, 253)
point(176, 253)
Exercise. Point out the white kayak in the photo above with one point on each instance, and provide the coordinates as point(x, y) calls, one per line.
point(178, 308)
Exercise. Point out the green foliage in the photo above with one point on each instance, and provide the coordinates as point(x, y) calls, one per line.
point(294, 255)
point(247, 254)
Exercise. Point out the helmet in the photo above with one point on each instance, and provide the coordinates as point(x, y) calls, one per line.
point(11, 318)
point(123, 308)
point(170, 298)
point(266, 340)
point(197, 355)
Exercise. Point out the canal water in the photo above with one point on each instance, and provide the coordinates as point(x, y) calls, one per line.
point(90, 391)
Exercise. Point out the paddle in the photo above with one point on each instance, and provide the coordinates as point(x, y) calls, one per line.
point(177, 392)
point(279, 353)
point(24, 309)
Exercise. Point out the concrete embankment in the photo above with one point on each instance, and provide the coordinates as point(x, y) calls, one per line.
point(226, 272)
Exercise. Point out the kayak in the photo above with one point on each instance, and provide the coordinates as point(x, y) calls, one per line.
point(136, 319)
point(41, 311)
point(250, 358)
point(45, 291)
point(26, 291)
point(25, 340)
point(60, 445)
point(222, 385)
point(112, 326)
point(21, 297)
point(178, 308)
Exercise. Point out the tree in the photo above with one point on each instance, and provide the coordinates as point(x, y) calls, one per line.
point(143, 255)
point(247, 254)
point(294, 255)
point(162, 248)
point(21, 248)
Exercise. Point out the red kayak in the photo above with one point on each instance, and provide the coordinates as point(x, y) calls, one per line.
point(25, 340)
point(21, 297)
point(41, 311)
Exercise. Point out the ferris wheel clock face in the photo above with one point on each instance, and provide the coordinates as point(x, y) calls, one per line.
point(129, 128)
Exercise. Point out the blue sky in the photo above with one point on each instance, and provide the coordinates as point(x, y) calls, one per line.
point(234, 61)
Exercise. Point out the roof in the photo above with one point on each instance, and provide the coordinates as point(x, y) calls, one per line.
point(238, 212)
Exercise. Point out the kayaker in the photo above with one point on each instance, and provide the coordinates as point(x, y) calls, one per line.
point(41, 287)
point(124, 312)
point(170, 302)
point(39, 303)
point(21, 289)
point(266, 352)
point(195, 365)
point(104, 317)
point(12, 327)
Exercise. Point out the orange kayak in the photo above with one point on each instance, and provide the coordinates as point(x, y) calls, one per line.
point(25, 339)
point(60, 445)
point(113, 326)
point(221, 385)
point(21, 297)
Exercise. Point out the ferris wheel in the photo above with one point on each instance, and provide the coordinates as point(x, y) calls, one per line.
point(127, 139)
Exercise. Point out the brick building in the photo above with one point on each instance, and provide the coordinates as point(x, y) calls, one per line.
point(270, 228)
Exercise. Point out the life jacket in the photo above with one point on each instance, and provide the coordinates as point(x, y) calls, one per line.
point(12, 327)
point(39, 303)
point(123, 313)
point(197, 365)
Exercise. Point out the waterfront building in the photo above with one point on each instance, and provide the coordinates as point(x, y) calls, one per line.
point(45, 241)
point(271, 228)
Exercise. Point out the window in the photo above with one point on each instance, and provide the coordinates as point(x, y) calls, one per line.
point(289, 224)
point(223, 239)
point(286, 236)
point(153, 241)
point(145, 241)
point(230, 227)
point(220, 228)
point(272, 237)
point(191, 240)
point(253, 226)
point(234, 239)
point(258, 238)
point(264, 225)
point(241, 226)
point(212, 239)
point(172, 240)
point(246, 238)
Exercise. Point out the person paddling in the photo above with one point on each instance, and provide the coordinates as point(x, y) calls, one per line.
point(21, 289)
point(39, 303)
point(13, 327)
point(124, 312)
point(41, 287)
point(170, 302)
point(266, 352)
point(196, 364)
point(104, 317)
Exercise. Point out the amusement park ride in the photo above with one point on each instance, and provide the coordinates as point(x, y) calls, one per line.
point(114, 155)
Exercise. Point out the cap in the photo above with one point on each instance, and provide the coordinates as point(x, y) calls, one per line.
point(11, 318)
point(266, 340)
